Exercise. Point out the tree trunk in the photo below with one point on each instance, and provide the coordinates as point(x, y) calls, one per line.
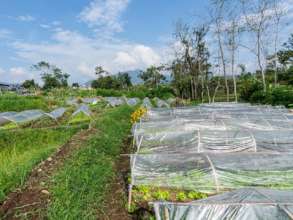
point(259, 61)
point(223, 62)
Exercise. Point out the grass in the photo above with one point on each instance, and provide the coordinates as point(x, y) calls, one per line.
point(21, 150)
point(80, 187)
point(12, 102)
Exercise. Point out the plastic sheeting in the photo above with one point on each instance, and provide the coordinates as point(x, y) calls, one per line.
point(90, 100)
point(213, 173)
point(216, 141)
point(132, 101)
point(147, 103)
point(214, 155)
point(25, 116)
point(243, 204)
point(83, 109)
point(3, 119)
point(57, 113)
point(114, 101)
point(161, 103)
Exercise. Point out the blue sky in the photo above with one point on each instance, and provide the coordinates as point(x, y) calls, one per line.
point(77, 35)
point(33, 30)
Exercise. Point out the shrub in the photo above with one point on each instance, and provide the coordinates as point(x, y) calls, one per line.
point(249, 87)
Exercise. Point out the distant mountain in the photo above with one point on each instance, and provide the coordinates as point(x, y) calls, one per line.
point(134, 74)
point(135, 79)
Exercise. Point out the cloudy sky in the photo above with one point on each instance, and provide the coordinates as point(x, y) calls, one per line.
point(77, 35)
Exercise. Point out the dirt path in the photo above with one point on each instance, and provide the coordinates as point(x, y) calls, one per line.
point(115, 208)
point(31, 201)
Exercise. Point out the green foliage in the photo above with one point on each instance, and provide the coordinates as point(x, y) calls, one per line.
point(12, 102)
point(21, 150)
point(248, 87)
point(79, 118)
point(80, 187)
point(181, 196)
point(152, 76)
point(161, 195)
point(162, 91)
point(120, 81)
point(52, 76)
point(196, 195)
point(30, 84)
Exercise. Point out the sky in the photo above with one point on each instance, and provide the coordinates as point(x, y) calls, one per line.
point(77, 35)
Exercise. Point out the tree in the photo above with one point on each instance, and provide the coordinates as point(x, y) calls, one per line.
point(152, 76)
point(219, 8)
point(285, 56)
point(191, 65)
point(30, 84)
point(75, 85)
point(52, 76)
point(258, 21)
point(106, 82)
point(124, 80)
point(100, 71)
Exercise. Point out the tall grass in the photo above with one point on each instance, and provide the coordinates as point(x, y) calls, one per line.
point(80, 188)
point(21, 150)
point(12, 102)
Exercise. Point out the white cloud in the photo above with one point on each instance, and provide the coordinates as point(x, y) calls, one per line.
point(104, 14)
point(78, 54)
point(17, 71)
point(26, 18)
point(45, 26)
point(16, 75)
point(4, 33)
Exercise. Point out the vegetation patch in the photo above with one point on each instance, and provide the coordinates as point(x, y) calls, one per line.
point(21, 150)
point(12, 102)
point(80, 187)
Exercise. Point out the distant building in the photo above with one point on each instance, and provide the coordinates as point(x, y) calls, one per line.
point(10, 87)
point(4, 86)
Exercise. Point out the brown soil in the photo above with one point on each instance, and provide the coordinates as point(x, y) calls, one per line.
point(115, 208)
point(31, 201)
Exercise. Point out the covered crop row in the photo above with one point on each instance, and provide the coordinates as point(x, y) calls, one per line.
point(214, 149)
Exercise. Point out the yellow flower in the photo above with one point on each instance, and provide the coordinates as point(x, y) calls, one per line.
point(136, 115)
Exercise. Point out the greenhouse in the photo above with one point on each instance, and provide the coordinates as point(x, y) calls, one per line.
point(240, 204)
point(212, 149)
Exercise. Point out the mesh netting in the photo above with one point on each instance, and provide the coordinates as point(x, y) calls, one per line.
point(238, 205)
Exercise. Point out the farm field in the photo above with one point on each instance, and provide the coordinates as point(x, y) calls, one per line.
point(68, 157)
point(191, 153)
point(122, 158)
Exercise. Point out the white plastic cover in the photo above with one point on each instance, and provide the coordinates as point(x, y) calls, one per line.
point(147, 103)
point(115, 101)
point(3, 119)
point(213, 173)
point(57, 113)
point(161, 103)
point(84, 109)
point(25, 116)
point(243, 204)
point(132, 101)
